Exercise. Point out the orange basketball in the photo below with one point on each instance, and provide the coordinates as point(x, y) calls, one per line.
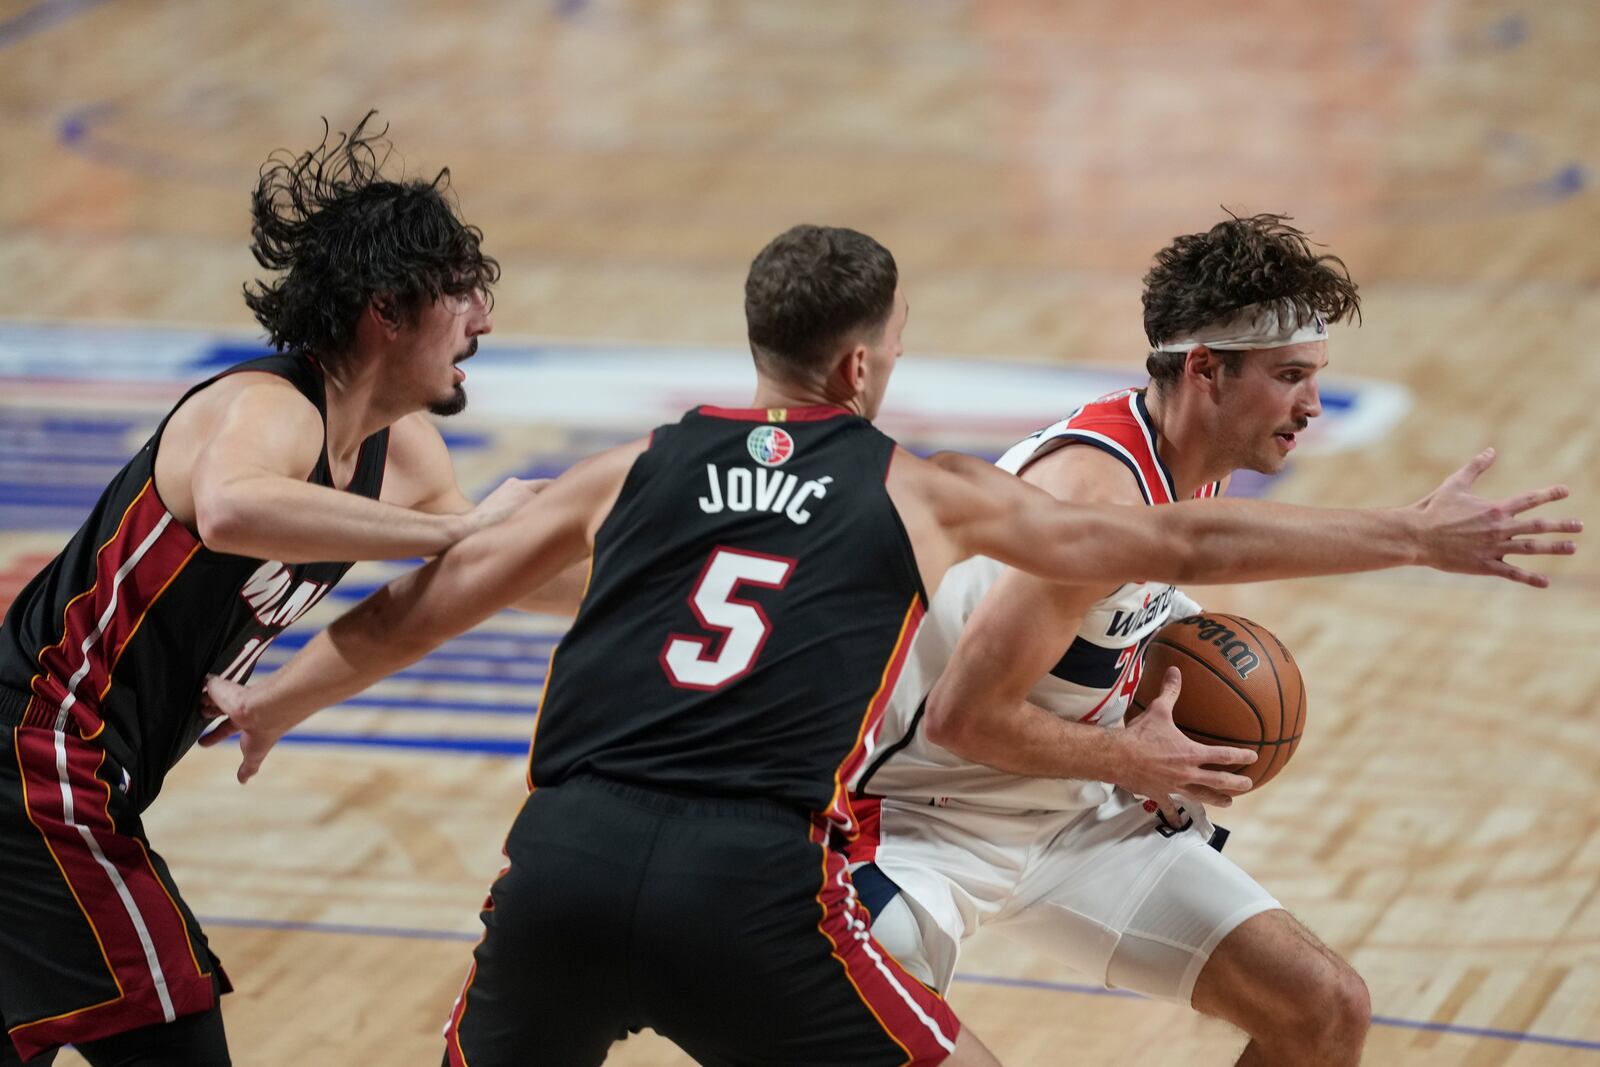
point(1240, 687)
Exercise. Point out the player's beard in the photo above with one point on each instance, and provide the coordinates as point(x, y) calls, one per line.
point(455, 405)
point(457, 402)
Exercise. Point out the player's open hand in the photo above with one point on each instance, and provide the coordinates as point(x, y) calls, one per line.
point(508, 497)
point(1162, 760)
point(1468, 534)
point(229, 702)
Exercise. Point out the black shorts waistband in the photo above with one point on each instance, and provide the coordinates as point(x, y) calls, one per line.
point(668, 800)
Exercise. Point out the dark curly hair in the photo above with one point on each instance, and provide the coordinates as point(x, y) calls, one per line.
point(342, 235)
point(1201, 278)
point(811, 288)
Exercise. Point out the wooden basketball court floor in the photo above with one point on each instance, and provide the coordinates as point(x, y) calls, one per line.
point(1024, 158)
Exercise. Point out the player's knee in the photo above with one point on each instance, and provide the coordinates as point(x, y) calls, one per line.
point(1349, 1003)
point(1337, 1013)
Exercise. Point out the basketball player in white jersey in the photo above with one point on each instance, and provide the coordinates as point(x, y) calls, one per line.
point(1015, 795)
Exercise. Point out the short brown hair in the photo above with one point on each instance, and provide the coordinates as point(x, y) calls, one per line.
point(811, 288)
point(1201, 278)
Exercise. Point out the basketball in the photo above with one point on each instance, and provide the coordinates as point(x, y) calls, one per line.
point(1240, 687)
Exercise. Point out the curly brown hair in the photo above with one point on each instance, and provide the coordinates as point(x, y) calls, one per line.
point(339, 233)
point(1201, 278)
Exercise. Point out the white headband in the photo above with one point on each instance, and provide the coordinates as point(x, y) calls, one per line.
point(1254, 326)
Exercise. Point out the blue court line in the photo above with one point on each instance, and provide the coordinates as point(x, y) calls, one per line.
point(19, 456)
point(453, 677)
point(464, 707)
point(414, 933)
point(1458, 1029)
point(459, 647)
point(41, 17)
point(280, 655)
point(481, 746)
point(66, 426)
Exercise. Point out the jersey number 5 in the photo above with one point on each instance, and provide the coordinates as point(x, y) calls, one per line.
point(741, 625)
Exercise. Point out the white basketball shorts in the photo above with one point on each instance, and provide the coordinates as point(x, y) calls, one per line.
point(1113, 892)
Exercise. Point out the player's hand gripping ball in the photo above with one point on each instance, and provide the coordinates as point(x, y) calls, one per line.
point(1240, 687)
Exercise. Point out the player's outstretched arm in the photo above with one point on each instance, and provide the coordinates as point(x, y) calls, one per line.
point(985, 511)
point(233, 465)
point(400, 623)
point(420, 476)
point(1018, 632)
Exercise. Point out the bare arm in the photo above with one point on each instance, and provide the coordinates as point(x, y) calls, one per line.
point(421, 476)
point(979, 710)
point(562, 594)
point(400, 623)
point(982, 510)
point(235, 467)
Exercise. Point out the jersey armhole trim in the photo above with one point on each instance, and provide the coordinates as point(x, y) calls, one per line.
point(1110, 448)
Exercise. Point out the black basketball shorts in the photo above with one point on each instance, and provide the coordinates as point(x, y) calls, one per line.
point(727, 926)
point(94, 938)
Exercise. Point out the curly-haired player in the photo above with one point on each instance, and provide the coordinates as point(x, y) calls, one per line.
point(1033, 819)
point(214, 537)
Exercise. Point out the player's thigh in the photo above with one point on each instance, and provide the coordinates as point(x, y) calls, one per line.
point(197, 1040)
point(951, 871)
point(751, 948)
point(548, 973)
point(1271, 968)
point(94, 936)
point(1129, 903)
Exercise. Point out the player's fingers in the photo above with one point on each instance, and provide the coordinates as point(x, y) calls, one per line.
point(1542, 526)
point(224, 730)
point(1501, 569)
point(1222, 782)
point(1549, 494)
point(1171, 811)
point(1226, 756)
point(1211, 798)
point(1531, 547)
point(1171, 683)
point(1469, 472)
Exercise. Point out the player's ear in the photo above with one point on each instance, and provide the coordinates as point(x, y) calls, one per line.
point(1202, 367)
point(384, 312)
point(852, 369)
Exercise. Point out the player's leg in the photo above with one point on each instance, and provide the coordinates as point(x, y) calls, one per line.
point(1299, 1002)
point(10, 1057)
point(1126, 900)
point(931, 876)
point(197, 1040)
point(752, 948)
point(547, 980)
point(94, 938)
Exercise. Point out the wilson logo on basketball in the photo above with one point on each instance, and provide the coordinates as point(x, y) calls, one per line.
point(769, 445)
point(1240, 656)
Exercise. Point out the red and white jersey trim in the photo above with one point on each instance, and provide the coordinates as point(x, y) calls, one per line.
point(1119, 424)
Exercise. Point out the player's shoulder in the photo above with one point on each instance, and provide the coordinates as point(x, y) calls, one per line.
point(255, 393)
point(1084, 475)
point(245, 405)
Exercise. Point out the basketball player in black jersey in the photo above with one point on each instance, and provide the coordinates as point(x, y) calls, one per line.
point(757, 576)
point(202, 549)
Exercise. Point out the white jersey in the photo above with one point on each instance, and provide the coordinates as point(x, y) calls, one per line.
point(1095, 678)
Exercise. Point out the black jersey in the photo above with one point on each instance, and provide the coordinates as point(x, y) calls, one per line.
point(752, 597)
point(115, 637)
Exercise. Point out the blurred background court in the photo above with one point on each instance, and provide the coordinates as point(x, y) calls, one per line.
point(1023, 159)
